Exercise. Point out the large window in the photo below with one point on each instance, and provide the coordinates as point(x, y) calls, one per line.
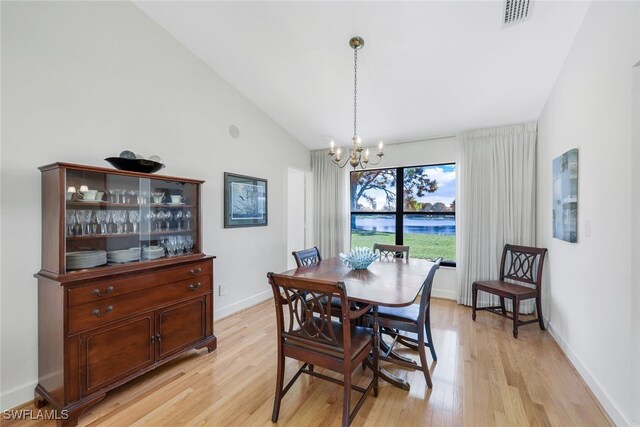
point(414, 206)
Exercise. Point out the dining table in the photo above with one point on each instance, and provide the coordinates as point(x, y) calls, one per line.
point(392, 283)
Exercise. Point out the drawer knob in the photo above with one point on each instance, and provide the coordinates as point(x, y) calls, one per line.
point(107, 291)
point(195, 272)
point(97, 313)
point(194, 286)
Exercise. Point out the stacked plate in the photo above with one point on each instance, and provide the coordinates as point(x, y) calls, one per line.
point(152, 252)
point(85, 259)
point(122, 256)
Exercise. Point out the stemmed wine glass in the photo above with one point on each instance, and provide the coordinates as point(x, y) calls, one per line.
point(134, 219)
point(103, 218)
point(151, 217)
point(188, 244)
point(179, 216)
point(120, 217)
point(84, 217)
point(187, 217)
point(71, 222)
point(168, 216)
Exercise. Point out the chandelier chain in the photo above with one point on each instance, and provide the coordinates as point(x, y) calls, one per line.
point(355, 92)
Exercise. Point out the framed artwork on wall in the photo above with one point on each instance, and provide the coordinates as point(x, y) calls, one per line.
point(245, 201)
point(565, 196)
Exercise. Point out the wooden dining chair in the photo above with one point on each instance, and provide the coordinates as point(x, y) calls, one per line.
point(307, 333)
point(415, 319)
point(307, 257)
point(521, 264)
point(390, 252)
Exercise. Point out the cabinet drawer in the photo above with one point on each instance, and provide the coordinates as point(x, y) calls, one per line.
point(99, 291)
point(93, 314)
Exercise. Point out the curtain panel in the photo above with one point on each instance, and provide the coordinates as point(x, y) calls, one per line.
point(330, 204)
point(497, 203)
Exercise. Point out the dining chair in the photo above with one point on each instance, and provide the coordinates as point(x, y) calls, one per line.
point(390, 252)
point(521, 264)
point(307, 257)
point(415, 319)
point(315, 339)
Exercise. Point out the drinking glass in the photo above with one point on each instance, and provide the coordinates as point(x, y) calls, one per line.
point(102, 217)
point(134, 219)
point(119, 218)
point(71, 222)
point(187, 217)
point(151, 217)
point(179, 216)
point(134, 196)
point(84, 217)
point(188, 242)
point(168, 216)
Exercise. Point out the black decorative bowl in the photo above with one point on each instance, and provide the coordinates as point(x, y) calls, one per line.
point(135, 165)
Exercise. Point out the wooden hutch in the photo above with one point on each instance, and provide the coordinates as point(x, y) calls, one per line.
point(124, 285)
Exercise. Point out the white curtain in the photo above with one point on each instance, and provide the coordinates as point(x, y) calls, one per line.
point(497, 203)
point(330, 205)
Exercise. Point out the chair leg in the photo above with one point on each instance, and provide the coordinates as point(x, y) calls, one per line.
point(427, 329)
point(516, 311)
point(539, 309)
point(279, 385)
point(423, 360)
point(502, 306)
point(475, 302)
point(346, 400)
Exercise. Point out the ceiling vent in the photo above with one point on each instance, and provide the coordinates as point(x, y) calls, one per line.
point(516, 11)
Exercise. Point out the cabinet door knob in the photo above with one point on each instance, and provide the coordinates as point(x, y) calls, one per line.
point(158, 338)
point(107, 291)
point(195, 272)
point(153, 339)
point(97, 313)
point(194, 286)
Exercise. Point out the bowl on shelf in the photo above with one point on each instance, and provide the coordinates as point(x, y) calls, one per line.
point(135, 165)
point(359, 258)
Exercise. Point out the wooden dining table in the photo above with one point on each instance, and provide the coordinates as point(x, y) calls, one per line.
point(391, 283)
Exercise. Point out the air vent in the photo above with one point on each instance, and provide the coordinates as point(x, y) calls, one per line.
point(516, 11)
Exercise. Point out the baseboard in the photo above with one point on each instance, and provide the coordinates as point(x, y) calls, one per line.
point(444, 294)
point(241, 305)
point(610, 408)
point(17, 397)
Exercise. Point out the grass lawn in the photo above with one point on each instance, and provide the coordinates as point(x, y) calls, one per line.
point(422, 245)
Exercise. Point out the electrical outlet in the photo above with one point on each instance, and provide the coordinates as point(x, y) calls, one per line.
point(222, 290)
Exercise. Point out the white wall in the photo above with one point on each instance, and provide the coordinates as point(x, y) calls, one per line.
point(432, 151)
point(296, 215)
point(635, 244)
point(80, 82)
point(590, 282)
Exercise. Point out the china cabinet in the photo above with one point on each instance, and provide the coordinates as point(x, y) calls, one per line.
point(124, 286)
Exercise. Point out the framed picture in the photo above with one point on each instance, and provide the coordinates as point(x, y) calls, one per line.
point(245, 201)
point(565, 196)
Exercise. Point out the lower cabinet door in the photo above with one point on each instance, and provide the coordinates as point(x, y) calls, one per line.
point(181, 325)
point(115, 351)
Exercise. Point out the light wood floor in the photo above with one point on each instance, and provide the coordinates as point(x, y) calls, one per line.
point(483, 377)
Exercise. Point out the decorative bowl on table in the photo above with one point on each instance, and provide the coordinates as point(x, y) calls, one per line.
point(359, 258)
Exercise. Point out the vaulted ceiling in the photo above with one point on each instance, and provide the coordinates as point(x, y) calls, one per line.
point(427, 68)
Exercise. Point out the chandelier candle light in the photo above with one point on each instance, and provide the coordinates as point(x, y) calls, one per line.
point(355, 157)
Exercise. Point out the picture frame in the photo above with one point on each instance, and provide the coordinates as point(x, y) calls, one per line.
point(565, 196)
point(245, 201)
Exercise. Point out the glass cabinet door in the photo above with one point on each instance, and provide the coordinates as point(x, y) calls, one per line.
point(113, 219)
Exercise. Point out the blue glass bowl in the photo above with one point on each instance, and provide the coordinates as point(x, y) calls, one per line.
point(358, 258)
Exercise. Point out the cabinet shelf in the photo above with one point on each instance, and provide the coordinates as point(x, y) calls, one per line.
point(83, 205)
point(142, 235)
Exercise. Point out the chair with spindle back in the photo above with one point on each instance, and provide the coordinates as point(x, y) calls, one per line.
point(307, 257)
point(390, 252)
point(317, 339)
point(522, 264)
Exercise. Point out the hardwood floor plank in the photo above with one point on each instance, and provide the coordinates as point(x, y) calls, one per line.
point(483, 377)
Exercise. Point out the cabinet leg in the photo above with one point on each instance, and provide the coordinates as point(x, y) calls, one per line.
point(211, 344)
point(39, 401)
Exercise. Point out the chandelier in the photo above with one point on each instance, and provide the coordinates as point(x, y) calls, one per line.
point(357, 156)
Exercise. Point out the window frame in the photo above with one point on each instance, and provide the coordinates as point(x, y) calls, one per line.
point(399, 212)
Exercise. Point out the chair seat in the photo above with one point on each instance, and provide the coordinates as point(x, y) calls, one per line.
point(360, 339)
point(502, 288)
point(406, 314)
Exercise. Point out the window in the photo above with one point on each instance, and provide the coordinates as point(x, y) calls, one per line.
point(414, 206)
